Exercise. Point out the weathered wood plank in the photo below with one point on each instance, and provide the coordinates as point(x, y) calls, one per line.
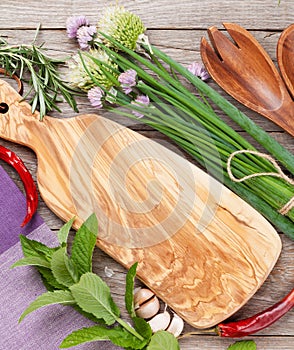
point(182, 46)
point(163, 18)
point(214, 343)
point(257, 14)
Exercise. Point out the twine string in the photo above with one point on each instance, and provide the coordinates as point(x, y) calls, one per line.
point(280, 174)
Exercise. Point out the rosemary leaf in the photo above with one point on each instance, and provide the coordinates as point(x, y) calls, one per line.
point(47, 87)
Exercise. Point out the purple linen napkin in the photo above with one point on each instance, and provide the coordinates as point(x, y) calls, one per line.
point(12, 213)
point(45, 328)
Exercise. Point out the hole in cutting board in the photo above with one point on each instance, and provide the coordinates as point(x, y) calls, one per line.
point(3, 108)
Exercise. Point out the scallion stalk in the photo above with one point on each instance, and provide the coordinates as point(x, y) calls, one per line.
point(192, 123)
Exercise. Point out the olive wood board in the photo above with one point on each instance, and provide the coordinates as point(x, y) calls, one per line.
point(200, 248)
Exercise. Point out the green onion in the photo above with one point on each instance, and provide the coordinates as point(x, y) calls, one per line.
point(192, 123)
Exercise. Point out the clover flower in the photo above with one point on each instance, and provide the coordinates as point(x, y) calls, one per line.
point(85, 36)
point(127, 80)
point(80, 78)
point(95, 96)
point(198, 70)
point(121, 25)
point(140, 101)
point(74, 23)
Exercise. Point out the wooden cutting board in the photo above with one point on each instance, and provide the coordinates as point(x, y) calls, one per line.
point(202, 249)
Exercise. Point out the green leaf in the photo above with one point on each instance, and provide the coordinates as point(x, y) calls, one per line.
point(49, 280)
point(121, 337)
point(243, 345)
point(129, 293)
point(163, 340)
point(64, 231)
point(84, 244)
point(32, 261)
point(117, 335)
point(49, 298)
point(88, 315)
point(92, 224)
point(85, 335)
point(142, 327)
point(93, 296)
point(61, 269)
point(34, 248)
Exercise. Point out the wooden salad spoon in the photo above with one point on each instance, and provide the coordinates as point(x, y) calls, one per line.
point(285, 56)
point(246, 72)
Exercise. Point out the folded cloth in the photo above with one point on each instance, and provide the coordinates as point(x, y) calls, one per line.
point(44, 329)
point(12, 213)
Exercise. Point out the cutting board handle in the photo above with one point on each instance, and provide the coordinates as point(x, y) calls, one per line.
point(17, 122)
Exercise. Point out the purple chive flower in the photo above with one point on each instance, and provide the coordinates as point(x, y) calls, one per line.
point(85, 35)
point(128, 80)
point(95, 96)
point(199, 71)
point(74, 23)
point(140, 101)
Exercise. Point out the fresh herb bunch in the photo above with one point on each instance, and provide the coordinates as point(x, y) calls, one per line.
point(70, 281)
point(31, 64)
point(157, 97)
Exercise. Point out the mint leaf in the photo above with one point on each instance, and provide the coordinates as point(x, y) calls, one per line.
point(142, 327)
point(32, 261)
point(62, 234)
point(49, 280)
point(92, 224)
point(163, 340)
point(84, 244)
point(121, 337)
point(129, 293)
point(61, 268)
point(117, 335)
point(49, 298)
point(31, 247)
point(88, 315)
point(93, 295)
point(85, 335)
point(243, 345)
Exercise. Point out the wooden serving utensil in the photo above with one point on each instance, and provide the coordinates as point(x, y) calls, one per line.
point(285, 56)
point(246, 72)
point(200, 248)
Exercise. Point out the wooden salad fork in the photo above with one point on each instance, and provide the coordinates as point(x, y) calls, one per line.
point(285, 56)
point(246, 72)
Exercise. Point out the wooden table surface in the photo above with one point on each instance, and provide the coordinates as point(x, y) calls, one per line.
point(176, 27)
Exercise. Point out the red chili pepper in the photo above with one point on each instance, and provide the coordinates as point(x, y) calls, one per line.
point(28, 182)
point(257, 322)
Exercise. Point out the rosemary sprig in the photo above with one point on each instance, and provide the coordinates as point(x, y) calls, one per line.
point(33, 65)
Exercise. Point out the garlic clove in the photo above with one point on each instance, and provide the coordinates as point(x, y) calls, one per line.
point(160, 322)
point(146, 303)
point(176, 326)
point(141, 296)
point(149, 308)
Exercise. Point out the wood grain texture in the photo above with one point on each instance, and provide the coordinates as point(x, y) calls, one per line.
point(184, 48)
point(175, 27)
point(246, 72)
point(201, 248)
point(285, 55)
point(155, 14)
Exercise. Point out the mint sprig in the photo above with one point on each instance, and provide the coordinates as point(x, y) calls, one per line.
point(69, 279)
point(243, 345)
